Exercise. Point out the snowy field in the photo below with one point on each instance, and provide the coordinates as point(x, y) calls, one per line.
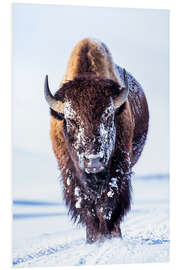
point(45, 236)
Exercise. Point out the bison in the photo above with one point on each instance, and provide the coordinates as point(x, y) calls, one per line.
point(99, 125)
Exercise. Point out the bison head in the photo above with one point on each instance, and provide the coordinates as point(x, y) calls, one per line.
point(87, 105)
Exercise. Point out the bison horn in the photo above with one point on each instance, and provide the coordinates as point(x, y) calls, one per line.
point(53, 103)
point(123, 92)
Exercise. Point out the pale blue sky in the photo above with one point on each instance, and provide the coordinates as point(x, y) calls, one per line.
point(43, 38)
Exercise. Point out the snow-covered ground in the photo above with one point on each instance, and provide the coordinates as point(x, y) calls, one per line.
point(43, 234)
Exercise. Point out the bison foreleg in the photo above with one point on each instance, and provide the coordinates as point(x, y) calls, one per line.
point(92, 227)
point(109, 223)
point(103, 225)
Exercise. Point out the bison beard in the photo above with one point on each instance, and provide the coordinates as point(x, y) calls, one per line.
point(96, 182)
point(93, 83)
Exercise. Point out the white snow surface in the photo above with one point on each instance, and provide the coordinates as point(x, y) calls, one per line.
point(42, 240)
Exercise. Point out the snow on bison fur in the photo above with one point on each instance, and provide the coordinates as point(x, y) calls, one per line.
point(99, 124)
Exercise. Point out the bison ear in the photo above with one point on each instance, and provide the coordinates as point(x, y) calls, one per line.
point(54, 104)
point(123, 92)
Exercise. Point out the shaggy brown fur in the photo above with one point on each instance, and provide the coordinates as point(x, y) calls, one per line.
point(91, 80)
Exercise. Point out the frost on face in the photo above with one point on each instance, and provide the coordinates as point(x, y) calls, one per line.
point(79, 141)
point(107, 131)
point(80, 138)
point(106, 138)
point(68, 110)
